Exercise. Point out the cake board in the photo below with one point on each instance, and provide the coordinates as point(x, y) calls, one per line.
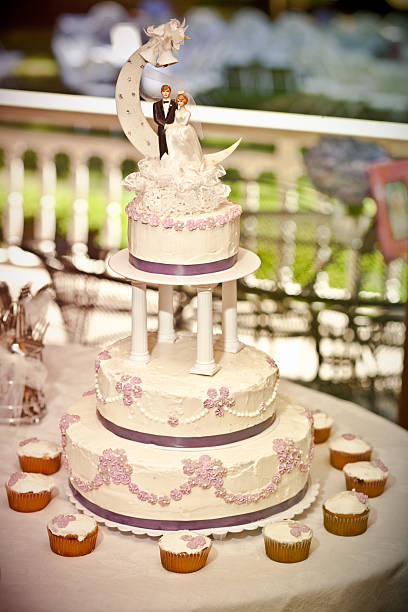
point(247, 262)
point(219, 533)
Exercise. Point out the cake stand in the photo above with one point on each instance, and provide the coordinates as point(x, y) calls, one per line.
point(247, 262)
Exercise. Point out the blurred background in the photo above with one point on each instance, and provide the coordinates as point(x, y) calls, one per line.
point(318, 90)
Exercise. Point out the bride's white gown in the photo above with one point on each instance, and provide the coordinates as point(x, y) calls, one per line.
point(182, 141)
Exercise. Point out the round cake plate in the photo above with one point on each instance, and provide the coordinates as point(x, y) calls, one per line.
point(219, 533)
point(247, 263)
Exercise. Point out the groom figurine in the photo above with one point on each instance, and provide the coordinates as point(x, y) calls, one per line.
point(163, 113)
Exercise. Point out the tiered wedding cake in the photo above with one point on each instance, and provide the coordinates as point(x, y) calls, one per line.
point(183, 431)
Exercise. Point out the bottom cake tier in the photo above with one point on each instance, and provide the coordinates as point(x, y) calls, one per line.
point(155, 487)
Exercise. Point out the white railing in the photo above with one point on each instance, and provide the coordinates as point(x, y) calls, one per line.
point(288, 133)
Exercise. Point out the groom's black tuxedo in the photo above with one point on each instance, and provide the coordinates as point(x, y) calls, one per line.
point(161, 119)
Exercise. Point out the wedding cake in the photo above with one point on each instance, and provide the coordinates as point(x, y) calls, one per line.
point(157, 444)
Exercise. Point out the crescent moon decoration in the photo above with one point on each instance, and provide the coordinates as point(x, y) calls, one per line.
point(212, 159)
point(129, 108)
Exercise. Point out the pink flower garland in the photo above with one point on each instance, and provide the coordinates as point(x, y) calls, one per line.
point(190, 225)
point(205, 473)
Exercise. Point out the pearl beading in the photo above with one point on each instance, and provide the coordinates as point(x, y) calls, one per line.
point(186, 421)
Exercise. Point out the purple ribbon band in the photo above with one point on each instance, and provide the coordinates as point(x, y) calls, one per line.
point(184, 442)
point(224, 521)
point(182, 269)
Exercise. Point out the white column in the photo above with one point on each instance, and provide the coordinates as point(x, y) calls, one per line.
point(229, 317)
point(166, 325)
point(205, 363)
point(139, 351)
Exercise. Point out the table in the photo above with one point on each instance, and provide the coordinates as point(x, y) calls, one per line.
point(364, 573)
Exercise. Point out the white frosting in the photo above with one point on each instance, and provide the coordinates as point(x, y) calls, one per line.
point(365, 471)
point(250, 466)
point(321, 420)
point(81, 526)
point(167, 187)
point(280, 532)
point(356, 445)
point(174, 542)
point(345, 502)
point(168, 389)
point(32, 483)
point(39, 449)
point(158, 244)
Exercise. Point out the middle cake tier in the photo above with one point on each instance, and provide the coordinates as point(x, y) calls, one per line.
point(162, 403)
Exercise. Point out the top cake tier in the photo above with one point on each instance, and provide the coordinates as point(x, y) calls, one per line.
point(162, 403)
point(184, 244)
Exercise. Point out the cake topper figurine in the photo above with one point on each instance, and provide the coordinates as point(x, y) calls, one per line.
point(165, 40)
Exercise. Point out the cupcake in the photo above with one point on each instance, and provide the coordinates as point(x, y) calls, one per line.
point(346, 513)
point(28, 492)
point(72, 535)
point(287, 541)
point(39, 456)
point(367, 477)
point(184, 551)
point(348, 448)
point(322, 424)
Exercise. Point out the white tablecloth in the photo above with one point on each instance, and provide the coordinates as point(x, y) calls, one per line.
point(363, 573)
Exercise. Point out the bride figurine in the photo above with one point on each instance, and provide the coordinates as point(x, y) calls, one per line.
point(182, 141)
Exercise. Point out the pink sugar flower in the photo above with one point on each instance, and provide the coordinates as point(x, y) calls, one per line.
point(201, 224)
point(97, 365)
point(210, 221)
point(154, 220)
point(27, 441)
point(212, 393)
point(360, 496)
point(221, 220)
point(271, 362)
point(219, 412)
point(191, 224)
point(224, 392)
point(63, 520)
point(176, 494)
point(90, 392)
point(208, 404)
point(179, 226)
point(15, 477)
point(135, 215)
point(378, 463)
point(348, 436)
point(173, 421)
point(104, 355)
point(168, 223)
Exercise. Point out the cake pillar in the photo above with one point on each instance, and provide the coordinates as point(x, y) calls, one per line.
point(231, 344)
point(205, 363)
point(139, 350)
point(166, 325)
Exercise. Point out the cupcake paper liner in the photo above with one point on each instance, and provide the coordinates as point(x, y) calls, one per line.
point(321, 435)
point(184, 563)
point(285, 552)
point(70, 546)
point(40, 465)
point(338, 459)
point(345, 524)
point(27, 502)
point(372, 488)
